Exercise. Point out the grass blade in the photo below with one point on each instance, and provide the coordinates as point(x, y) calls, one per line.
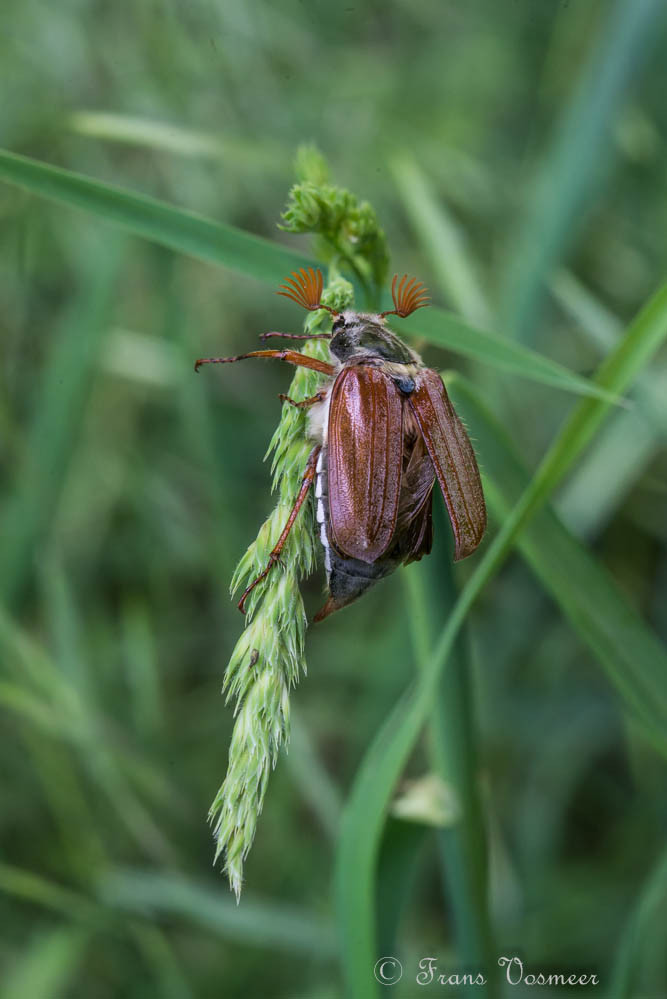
point(630, 440)
point(46, 967)
point(312, 778)
point(186, 232)
point(55, 426)
point(633, 658)
point(175, 228)
point(149, 133)
point(627, 972)
point(160, 958)
point(401, 853)
point(444, 329)
point(626, 448)
point(452, 755)
point(105, 759)
point(451, 731)
point(565, 183)
point(253, 922)
point(441, 241)
point(380, 769)
point(19, 883)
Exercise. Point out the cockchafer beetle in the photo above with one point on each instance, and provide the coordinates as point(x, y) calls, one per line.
point(384, 429)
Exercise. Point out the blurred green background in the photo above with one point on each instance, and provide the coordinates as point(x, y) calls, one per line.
point(515, 153)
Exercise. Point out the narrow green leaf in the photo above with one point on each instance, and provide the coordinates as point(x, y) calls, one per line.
point(447, 330)
point(564, 187)
point(162, 960)
point(46, 967)
point(39, 713)
point(630, 440)
point(645, 921)
point(626, 648)
point(451, 736)
point(109, 762)
point(380, 769)
point(175, 228)
point(186, 232)
point(625, 449)
point(441, 241)
point(148, 133)
point(312, 777)
point(400, 855)
point(143, 673)
point(254, 922)
point(598, 324)
point(450, 742)
point(55, 426)
point(22, 884)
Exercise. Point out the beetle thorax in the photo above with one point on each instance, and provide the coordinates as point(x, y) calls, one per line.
point(366, 337)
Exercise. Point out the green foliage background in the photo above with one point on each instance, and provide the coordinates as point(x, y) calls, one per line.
point(514, 154)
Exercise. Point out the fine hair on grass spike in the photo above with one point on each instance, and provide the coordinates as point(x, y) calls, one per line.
point(407, 297)
point(269, 657)
point(305, 288)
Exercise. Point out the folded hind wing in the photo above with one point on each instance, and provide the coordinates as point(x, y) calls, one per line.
point(453, 460)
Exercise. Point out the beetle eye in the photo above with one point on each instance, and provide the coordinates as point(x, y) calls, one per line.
point(338, 325)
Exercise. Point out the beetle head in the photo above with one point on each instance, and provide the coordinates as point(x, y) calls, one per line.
point(359, 334)
point(365, 336)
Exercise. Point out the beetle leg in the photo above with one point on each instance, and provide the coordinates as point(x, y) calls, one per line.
point(291, 356)
point(308, 477)
point(310, 401)
point(297, 336)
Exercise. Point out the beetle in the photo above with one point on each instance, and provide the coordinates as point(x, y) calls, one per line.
point(384, 430)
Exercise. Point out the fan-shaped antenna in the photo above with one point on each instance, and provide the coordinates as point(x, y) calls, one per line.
point(305, 288)
point(407, 297)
